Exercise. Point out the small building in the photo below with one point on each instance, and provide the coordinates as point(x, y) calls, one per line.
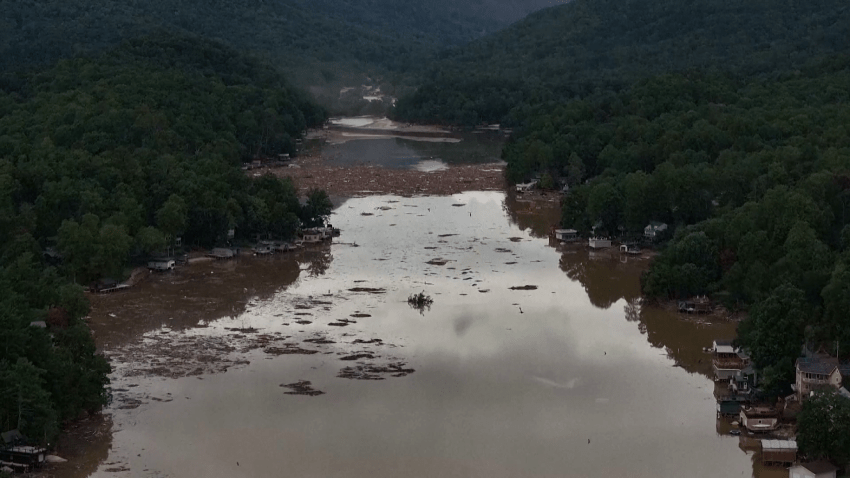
point(778, 452)
point(759, 419)
point(312, 236)
point(728, 361)
point(743, 382)
point(524, 187)
point(263, 250)
point(566, 235)
point(728, 408)
point(816, 469)
point(816, 373)
point(599, 243)
point(654, 230)
point(222, 253)
point(39, 324)
point(161, 265)
point(16, 455)
point(631, 249)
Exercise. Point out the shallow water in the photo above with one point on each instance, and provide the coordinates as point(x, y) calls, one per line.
point(573, 378)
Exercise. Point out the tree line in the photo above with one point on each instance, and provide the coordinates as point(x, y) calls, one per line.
point(585, 46)
point(112, 157)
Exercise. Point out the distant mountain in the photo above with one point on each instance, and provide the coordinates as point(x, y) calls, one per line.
point(573, 49)
point(391, 34)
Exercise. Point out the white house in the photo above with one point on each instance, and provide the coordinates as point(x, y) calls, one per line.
point(816, 373)
point(566, 235)
point(161, 265)
point(817, 469)
point(728, 361)
point(759, 419)
point(654, 229)
point(599, 243)
point(523, 187)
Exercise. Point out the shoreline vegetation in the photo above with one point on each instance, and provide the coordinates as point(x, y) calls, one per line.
point(114, 157)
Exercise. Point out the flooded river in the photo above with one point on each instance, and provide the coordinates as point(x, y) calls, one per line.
point(532, 360)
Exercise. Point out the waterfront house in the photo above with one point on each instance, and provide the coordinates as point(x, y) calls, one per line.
point(816, 373)
point(161, 265)
point(16, 455)
point(524, 187)
point(599, 243)
point(816, 469)
point(759, 419)
point(630, 249)
point(728, 360)
point(566, 235)
point(778, 452)
point(312, 236)
point(654, 230)
point(222, 253)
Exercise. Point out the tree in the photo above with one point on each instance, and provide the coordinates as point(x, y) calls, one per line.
point(824, 428)
point(172, 217)
point(773, 333)
point(317, 209)
point(574, 170)
point(605, 204)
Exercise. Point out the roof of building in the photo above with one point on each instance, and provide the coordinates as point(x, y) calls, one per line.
point(724, 347)
point(818, 467)
point(566, 231)
point(815, 365)
point(778, 445)
point(38, 323)
point(11, 436)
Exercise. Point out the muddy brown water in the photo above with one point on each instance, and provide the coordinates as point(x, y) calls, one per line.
point(313, 364)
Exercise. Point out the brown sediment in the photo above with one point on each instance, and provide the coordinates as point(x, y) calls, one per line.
point(310, 171)
point(302, 387)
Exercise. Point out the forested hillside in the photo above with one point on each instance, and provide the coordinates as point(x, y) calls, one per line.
point(587, 45)
point(314, 42)
point(754, 176)
point(106, 158)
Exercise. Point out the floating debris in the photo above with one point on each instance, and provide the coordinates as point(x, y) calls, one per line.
point(438, 262)
point(370, 290)
point(375, 372)
point(303, 387)
point(289, 349)
point(320, 340)
point(358, 356)
point(502, 249)
point(359, 315)
point(524, 287)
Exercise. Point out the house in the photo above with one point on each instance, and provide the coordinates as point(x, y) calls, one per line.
point(630, 249)
point(566, 235)
point(16, 455)
point(161, 265)
point(524, 187)
point(778, 452)
point(814, 374)
point(312, 236)
point(599, 243)
point(654, 230)
point(727, 360)
point(817, 469)
point(698, 305)
point(263, 250)
point(728, 408)
point(759, 419)
point(222, 253)
point(743, 382)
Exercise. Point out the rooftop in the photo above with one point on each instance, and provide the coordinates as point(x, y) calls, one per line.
point(818, 467)
point(778, 445)
point(816, 365)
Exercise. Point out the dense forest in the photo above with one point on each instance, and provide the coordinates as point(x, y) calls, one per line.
point(753, 174)
point(111, 157)
point(575, 49)
point(321, 44)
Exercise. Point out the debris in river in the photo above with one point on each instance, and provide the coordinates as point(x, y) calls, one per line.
point(420, 301)
point(303, 387)
point(360, 315)
point(524, 287)
point(438, 262)
point(304, 322)
point(370, 290)
point(372, 341)
point(319, 340)
point(358, 356)
point(514, 239)
point(374, 372)
point(289, 349)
